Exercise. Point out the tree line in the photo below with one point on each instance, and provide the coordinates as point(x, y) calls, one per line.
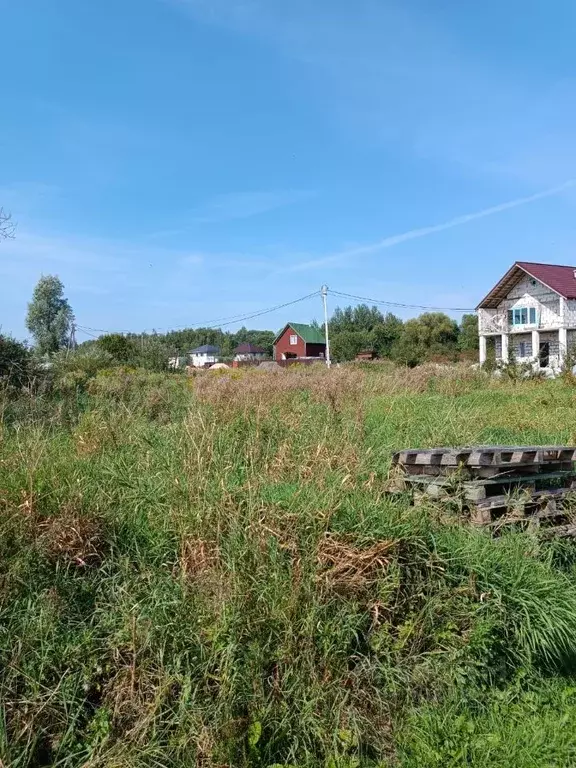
point(352, 330)
point(431, 335)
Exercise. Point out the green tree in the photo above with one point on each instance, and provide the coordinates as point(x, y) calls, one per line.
point(346, 344)
point(433, 333)
point(14, 360)
point(50, 316)
point(264, 339)
point(386, 334)
point(120, 347)
point(341, 320)
point(468, 339)
point(360, 318)
point(153, 353)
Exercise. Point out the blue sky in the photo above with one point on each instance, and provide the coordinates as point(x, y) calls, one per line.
point(176, 161)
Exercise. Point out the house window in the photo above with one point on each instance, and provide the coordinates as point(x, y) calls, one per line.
point(293, 340)
point(522, 316)
point(523, 349)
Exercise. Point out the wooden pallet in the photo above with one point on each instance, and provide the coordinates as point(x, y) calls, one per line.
point(486, 456)
point(495, 485)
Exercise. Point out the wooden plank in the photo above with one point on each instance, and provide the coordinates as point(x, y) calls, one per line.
point(505, 500)
point(480, 517)
point(450, 479)
point(536, 517)
point(485, 455)
point(565, 531)
point(474, 491)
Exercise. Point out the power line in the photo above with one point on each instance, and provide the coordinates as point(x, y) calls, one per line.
point(233, 319)
point(209, 324)
point(85, 332)
point(400, 305)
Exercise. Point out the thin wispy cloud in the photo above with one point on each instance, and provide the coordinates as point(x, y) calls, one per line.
point(415, 234)
point(243, 205)
point(237, 205)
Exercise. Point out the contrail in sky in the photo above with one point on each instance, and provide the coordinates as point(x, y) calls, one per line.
point(414, 234)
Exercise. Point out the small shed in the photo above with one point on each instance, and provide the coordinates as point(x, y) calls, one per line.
point(298, 340)
point(204, 356)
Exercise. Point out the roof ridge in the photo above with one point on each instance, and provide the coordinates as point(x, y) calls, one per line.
point(546, 264)
point(558, 278)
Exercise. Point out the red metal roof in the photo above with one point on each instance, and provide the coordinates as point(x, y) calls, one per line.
point(561, 279)
point(557, 277)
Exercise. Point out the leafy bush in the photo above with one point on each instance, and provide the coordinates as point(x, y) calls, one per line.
point(120, 348)
point(73, 369)
point(15, 361)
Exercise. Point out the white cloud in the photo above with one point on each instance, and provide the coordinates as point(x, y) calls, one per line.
point(414, 234)
point(236, 205)
point(244, 205)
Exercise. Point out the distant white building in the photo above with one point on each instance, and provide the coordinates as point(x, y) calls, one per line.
point(204, 355)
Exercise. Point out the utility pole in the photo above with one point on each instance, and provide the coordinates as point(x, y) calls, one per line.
point(324, 293)
point(71, 339)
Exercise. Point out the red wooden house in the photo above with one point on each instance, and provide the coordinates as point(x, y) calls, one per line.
point(297, 340)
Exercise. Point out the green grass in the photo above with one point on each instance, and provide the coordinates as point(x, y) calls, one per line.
point(209, 573)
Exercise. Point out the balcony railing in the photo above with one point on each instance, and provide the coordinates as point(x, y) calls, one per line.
point(498, 323)
point(493, 322)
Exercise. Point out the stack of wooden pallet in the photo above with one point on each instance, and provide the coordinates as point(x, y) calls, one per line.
point(497, 485)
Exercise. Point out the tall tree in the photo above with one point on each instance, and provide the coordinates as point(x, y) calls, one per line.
point(50, 316)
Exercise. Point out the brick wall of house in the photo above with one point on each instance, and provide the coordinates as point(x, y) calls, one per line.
point(521, 352)
point(498, 347)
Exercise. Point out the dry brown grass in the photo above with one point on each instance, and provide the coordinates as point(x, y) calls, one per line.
point(251, 389)
point(348, 569)
point(73, 537)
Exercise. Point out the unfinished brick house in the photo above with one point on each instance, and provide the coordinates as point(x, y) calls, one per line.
point(530, 314)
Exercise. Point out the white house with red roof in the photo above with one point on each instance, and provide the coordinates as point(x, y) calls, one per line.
point(531, 313)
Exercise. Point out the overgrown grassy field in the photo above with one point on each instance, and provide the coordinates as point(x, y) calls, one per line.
point(209, 572)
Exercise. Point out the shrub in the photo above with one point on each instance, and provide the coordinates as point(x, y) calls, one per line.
point(74, 369)
point(15, 361)
point(119, 347)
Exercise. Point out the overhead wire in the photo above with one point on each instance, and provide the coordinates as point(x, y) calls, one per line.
point(399, 304)
point(233, 319)
point(209, 324)
point(85, 332)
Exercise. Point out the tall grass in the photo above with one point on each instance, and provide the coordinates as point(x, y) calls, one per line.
point(209, 572)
